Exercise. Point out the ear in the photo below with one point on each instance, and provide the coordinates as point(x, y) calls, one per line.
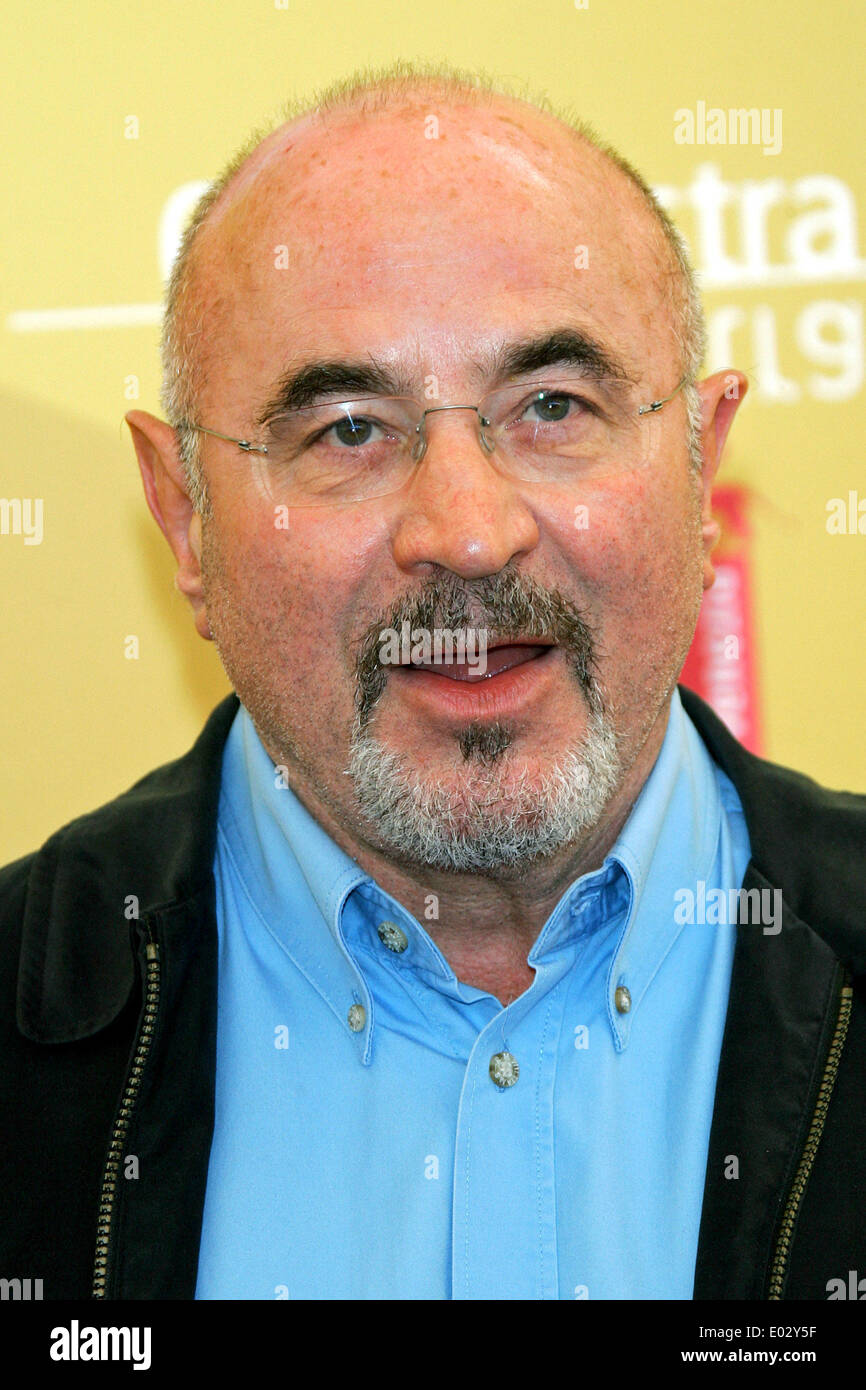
point(721, 395)
point(165, 488)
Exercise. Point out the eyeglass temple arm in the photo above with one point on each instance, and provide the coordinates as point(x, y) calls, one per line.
point(244, 444)
point(657, 405)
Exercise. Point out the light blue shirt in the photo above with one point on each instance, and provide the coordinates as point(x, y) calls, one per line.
point(381, 1161)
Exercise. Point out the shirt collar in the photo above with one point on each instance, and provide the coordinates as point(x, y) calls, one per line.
point(671, 837)
point(259, 818)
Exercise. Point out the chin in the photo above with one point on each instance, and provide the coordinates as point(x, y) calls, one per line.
point(492, 810)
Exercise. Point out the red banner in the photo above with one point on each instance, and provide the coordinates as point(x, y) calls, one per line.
point(721, 664)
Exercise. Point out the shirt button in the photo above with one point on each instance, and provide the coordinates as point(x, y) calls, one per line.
point(392, 936)
point(357, 1017)
point(622, 999)
point(504, 1069)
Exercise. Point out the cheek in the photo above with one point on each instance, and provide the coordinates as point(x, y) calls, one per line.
point(284, 600)
point(634, 548)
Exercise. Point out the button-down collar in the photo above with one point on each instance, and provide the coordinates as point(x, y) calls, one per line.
point(292, 870)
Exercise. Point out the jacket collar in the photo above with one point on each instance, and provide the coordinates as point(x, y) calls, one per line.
point(152, 848)
point(805, 838)
point(149, 850)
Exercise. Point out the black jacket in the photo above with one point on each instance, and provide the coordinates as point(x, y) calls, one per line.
point(108, 1023)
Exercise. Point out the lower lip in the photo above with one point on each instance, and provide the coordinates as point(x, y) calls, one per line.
point(497, 695)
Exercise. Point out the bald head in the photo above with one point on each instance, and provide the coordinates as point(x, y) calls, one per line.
point(384, 176)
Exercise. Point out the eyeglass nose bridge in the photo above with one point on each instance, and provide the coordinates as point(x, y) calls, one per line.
point(420, 448)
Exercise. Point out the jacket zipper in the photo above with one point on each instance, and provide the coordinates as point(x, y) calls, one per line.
point(781, 1256)
point(111, 1174)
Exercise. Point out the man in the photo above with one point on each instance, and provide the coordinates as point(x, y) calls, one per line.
point(386, 989)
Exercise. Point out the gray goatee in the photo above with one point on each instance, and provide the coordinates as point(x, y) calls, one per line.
point(497, 811)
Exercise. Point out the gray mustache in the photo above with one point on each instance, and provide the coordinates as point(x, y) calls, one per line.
point(510, 606)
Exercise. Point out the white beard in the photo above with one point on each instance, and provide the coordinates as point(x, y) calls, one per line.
point(490, 815)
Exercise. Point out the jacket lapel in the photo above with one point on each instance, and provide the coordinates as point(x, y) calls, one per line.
point(782, 1006)
point(96, 877)
point(783, 998)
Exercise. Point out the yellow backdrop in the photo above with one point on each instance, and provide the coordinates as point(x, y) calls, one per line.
point(115, 114)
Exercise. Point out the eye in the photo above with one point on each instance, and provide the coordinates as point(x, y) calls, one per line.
point(353, 430)
point(551, 407)
point(350, 431)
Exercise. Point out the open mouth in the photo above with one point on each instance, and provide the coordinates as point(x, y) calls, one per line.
point(498, 659)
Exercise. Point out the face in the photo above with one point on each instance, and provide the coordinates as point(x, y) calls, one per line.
point(432, 256)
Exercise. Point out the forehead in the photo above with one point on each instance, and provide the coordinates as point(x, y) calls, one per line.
point(427, 231)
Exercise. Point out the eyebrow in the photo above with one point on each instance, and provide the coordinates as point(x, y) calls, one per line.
point(311, 382)
point(562, 347)
point(338, 378)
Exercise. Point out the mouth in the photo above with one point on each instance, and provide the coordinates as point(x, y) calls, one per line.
point(502, 657)
point(517, 676)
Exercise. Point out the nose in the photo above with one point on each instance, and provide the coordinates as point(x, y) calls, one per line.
point(459, 511)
